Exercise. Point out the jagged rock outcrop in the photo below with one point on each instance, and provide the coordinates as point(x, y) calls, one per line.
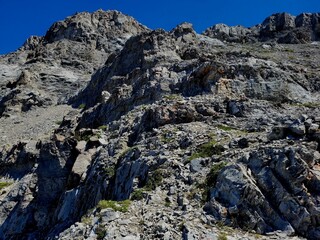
point(172, 136)
point(238, 34)
point(280, 27)
point(274, 190)
point(290, 29)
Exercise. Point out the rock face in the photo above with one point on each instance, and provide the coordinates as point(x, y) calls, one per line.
point(172, 134)
point(285, 179)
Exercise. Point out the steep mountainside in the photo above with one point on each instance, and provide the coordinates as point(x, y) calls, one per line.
point(110, 130)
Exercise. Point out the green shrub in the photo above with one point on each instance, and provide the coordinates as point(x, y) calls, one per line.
point(210, 181)
point(110, 171)
point(137, 194)
point(82, 106)
point(121, 206)
point(207, 150)
point(154, 180)
point(204, 150)
point(213, 174)
point(86, 220)
point(86, 137)
point(126, 151)
point(101, 232)
point(141, 222)
point(167, 202)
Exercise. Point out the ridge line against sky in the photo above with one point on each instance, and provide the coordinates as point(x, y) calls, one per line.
point(21, 19)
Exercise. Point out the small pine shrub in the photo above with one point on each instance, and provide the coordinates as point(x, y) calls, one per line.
point(137, 194)
point(154, 180)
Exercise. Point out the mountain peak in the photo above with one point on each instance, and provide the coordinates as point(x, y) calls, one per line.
point(87, 27)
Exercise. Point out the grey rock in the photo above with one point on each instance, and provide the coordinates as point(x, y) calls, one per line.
point(108, 215)
point(172, 190)
point(243, 143)
point(80, 167)
point(196, 165)
point(235, 108)
point(278, 132)
point(298, 129)
point(180, 200)
point(182, 30)
point(81, 146)
point(187, 234)
point(313, 128)
point(308, 122)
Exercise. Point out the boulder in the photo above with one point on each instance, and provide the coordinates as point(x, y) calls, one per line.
point(235, 108)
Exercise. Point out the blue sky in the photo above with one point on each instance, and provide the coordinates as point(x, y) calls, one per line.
point(20, 18)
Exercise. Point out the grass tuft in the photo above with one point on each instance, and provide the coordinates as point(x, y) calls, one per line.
point(103, 127)
point(4, 184)
point(120, 206)
point(222, 236)
point(225, 128)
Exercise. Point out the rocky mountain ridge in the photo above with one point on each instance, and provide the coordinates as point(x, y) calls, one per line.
point(172, 135)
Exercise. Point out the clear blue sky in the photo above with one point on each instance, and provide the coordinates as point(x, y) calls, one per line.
point(21, 18)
